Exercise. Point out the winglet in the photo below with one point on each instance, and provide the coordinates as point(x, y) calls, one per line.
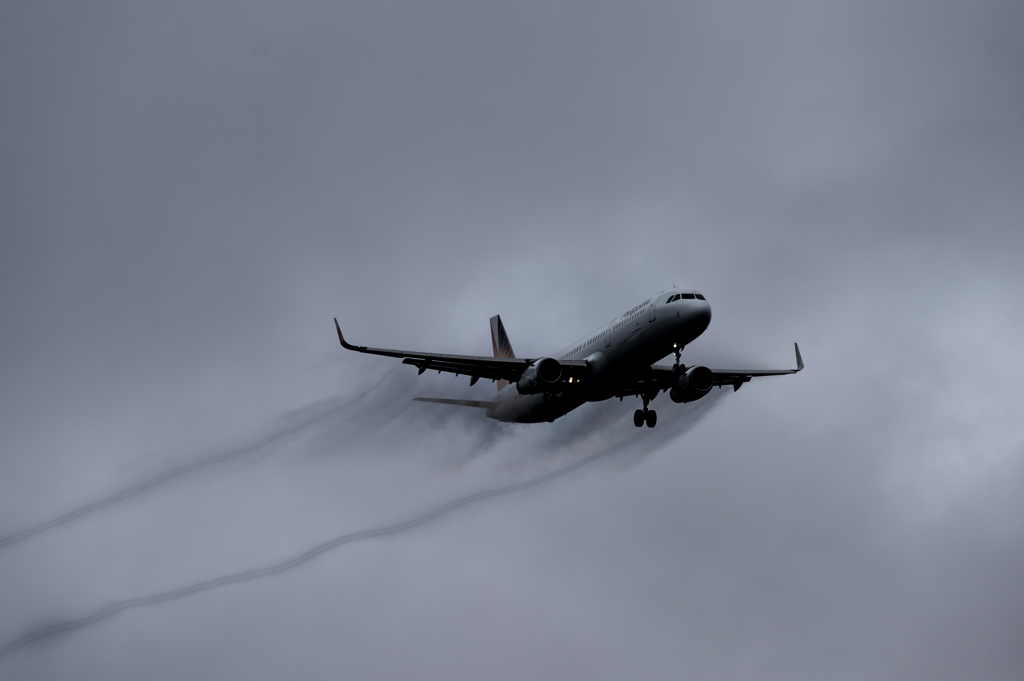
point(799, 359)
point(347, 346)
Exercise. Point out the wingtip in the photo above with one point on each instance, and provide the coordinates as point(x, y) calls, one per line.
point(341, 337)
point(799, 359)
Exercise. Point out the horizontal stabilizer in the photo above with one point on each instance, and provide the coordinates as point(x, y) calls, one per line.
point(458, 403)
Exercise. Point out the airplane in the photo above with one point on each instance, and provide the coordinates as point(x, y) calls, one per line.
point(616, 360)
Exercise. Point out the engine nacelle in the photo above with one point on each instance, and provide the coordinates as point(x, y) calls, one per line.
point(540, 376)
point(692, 385)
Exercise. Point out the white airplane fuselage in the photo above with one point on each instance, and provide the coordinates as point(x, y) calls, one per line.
point(636, 339)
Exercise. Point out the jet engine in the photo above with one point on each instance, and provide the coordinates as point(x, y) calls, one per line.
point(692, 385)
point(540, 376)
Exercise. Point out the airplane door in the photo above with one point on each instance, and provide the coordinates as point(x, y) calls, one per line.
point(650, 316)
point(608, 337)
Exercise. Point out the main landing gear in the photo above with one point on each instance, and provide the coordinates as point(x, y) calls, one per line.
point(649, 416)
point(640, 416)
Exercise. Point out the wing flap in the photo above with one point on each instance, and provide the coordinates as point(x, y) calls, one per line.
point(463, 367)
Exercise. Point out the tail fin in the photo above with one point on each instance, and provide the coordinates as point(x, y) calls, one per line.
point(499, 339)
point(500, 343)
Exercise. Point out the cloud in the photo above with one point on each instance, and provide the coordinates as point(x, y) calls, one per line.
point(185, 211)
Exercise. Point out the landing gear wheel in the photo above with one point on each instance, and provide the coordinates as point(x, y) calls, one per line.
point(638, 418)
point(652, 418)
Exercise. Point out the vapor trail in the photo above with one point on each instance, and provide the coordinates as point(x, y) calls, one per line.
point(113, 609)
point(182, 470)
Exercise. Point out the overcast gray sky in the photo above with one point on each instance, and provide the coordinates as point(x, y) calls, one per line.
point(189, 191)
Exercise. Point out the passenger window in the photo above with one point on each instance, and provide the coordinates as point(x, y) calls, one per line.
point(687, 296)
point(700, 297)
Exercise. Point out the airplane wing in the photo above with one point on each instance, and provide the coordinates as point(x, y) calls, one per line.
point(737, 377)
point(663, 377)
point(495, 368)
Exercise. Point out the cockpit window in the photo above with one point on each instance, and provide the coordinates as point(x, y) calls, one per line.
point(700, 297)
point(686, 296)
point(672, 298)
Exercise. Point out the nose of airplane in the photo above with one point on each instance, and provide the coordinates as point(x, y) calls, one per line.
point(700, 314)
